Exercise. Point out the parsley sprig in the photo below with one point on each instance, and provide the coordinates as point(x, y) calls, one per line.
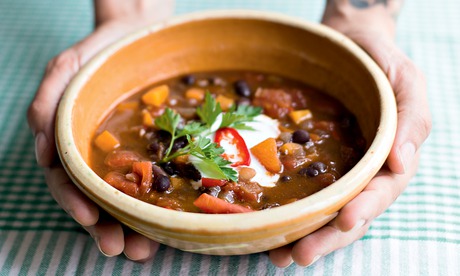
point(207, 154)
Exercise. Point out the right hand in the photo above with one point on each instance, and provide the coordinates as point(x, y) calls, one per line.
point(113, 20)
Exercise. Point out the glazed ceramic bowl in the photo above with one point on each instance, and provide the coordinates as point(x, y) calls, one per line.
point(230, 40)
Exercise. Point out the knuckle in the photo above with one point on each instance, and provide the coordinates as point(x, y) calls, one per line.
point(33, 112)
point(423, 123)
point(69, 60)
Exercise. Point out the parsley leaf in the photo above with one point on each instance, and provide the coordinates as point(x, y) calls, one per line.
point(209, 111)
point(238, 117)
point(192, 128)
point(168, 121)
point(209, 159)
point(208, 154)
point(248, 110)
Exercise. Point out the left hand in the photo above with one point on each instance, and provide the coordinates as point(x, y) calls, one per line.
point(114, 19)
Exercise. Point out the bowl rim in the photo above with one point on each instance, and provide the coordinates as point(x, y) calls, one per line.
point(91, 183)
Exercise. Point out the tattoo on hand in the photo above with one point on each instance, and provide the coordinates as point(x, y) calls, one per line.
point(393, 6)
point(362, 4)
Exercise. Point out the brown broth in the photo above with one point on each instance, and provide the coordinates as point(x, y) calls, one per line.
point(336, 140)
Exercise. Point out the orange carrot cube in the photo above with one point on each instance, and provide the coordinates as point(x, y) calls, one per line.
point(106, 141)
point(297, 116)
point(225, 102)
point(267, 154)
point(156, 96)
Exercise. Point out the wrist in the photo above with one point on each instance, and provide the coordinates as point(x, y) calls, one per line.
point(138, 12)
point(353, 16)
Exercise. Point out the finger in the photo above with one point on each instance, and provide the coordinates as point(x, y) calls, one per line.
point(108, 235)
point(42, 110)
point(281, 257)
point(139, 248)
point(378, 195)
point(327, 239)
point(353, 219)
point(414, 119)
point(60, 71)
point(70, 198)
point(409, 86)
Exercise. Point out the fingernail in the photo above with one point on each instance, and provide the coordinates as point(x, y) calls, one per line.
point(97, 241)
point(360, 223)
point(100, 249)
point(407, 153)
point(316, 258)
point(288, 265)
point(41, 144)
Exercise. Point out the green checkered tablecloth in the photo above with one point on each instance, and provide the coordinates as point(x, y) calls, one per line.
point(418, 235)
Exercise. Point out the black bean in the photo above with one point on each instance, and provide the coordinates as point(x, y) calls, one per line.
point(285, 178)
point(156, 150)
point(242, 88)
point(217, 81)
point(163, 136)
point(157, 170)
point(153, 146)
point(188, 79)
point(300, 136)
point(319, 166)
point(314, 169)
point(308, 171)
point(162, 183)
point(188, 171)
point(180, 143)
point(312, 172)
point(169, 168)
point(193, 173)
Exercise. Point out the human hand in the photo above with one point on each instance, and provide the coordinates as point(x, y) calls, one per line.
point(414, 124)
point(113, 20)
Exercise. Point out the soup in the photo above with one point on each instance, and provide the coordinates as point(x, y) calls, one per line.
point(226, 142)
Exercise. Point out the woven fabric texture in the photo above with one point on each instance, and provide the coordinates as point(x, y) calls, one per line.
point(418, 235)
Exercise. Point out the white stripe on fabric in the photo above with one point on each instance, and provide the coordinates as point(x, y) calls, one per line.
point(58, 252)
point(20, 255)
point(393, 255)
point(93, 255)
point(6, 248)
point(243, 265)
point(186, 262)
point(77, 251)
point(41, 250)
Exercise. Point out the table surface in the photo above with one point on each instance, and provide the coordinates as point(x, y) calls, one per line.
point(418, 235)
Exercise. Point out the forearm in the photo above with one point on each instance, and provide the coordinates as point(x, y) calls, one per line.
point(377, 16)
point(142, 11)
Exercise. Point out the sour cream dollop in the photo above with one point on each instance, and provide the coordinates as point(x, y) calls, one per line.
point(264, 127)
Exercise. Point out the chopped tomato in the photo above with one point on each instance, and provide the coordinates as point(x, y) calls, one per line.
point(215, 205)
point(121, 158)
point(228, 137)
point(277, 103)
point(119, 181)
point(212, 182)
point(144, 169)
point(248, 192)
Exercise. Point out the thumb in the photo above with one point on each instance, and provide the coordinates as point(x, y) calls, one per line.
point(409, 86)
point(60, 70)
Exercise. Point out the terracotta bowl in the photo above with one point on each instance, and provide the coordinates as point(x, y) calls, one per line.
point(230, 40)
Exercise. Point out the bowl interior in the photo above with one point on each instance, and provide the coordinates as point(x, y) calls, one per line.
point(227, 44)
